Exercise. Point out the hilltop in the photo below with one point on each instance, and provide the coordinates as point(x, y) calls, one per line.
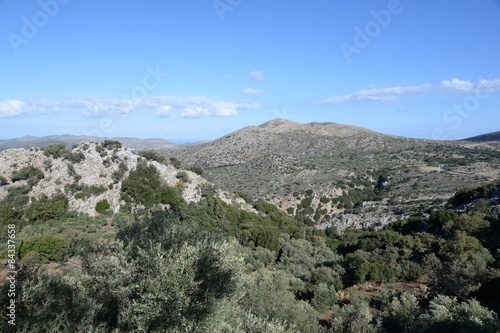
point(286, 138)
point(488, 137)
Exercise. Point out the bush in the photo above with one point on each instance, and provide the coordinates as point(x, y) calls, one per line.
point(28, 172)
point(183, 176)
point(102, 206)
point(152, 155)
point(175, 162)
point(143, 185)
point(3, 181)
point(55, 150)
point(45, 209)
point(111, 144)
point(50, 247)
point(373, 272)
point(171, 196)
point(196, 169)
point(75, 157)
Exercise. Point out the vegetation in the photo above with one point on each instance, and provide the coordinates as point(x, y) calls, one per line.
point(165, 265)
point(29, 173)
point(102, 206)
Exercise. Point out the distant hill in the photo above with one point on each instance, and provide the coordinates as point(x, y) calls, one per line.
point(30, 141)
point(287, 138)
point(488, 137)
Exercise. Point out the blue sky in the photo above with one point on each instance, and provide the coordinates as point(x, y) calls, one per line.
point(186, 71)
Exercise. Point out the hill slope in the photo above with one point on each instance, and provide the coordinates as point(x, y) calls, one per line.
point(285, 138)
point(488, 137)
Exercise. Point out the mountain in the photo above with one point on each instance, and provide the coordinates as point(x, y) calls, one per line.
point(285, 138)
point(488, 137)
point(320, 171)
point(30, 141)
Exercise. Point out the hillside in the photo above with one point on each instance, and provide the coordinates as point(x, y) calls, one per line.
point(488, 137)
point(286, 138)
point(92, 227)
point(320, 171)
point(87, 174)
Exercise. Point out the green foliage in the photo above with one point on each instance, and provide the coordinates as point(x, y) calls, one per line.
point(143, 185)
point(183, 176)
point(45, 209)
point(468, 194)
point(82, 191)
point(175, 162)
point(248, 199)
point(28, 173)
point(460, 244)
point(3, 181)
point(49, 247)
point(196, 169)
point(56, 150)
point(74, 157)
point(354, 317)
point(268, 294)
point(446, 314)
point(152, 155)
point(122, 169)
point(442, 221)
point(373, 272)
point(111, 144)
point(102, 206)
point(172, 197)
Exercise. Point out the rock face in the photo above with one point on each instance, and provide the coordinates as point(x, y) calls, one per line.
point(359, 221)
point(96, 168)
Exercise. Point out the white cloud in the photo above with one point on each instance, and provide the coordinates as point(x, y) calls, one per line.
point(164, 111)
point(257, 75)
point(190, 106)
point(12, 108)
point(392, 95)
point(252, 91)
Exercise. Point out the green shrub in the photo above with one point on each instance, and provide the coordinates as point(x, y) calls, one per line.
point(55, 150)
point(245, 196)
point(111, 144)
point(152, 155)
point(45, 209)
point(175, 162)
point(50, 247)
point(196, 169)
point(373, 272)
point(75, 157)
point(3, 181)
point(28, 172)
point(171, 196)
point(183, 176)
point(143, 185)
point(102, 206)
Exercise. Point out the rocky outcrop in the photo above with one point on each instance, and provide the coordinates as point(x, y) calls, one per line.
point(96, 169)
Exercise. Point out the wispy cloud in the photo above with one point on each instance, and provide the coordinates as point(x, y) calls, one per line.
point(257, 75)
point(12, 108)
point(393, 94)
point(94, 107)
point(252, 91)
point(164, 111)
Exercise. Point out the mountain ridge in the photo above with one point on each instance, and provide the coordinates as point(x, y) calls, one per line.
point(134, 143)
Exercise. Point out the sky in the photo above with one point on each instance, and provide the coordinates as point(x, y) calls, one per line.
point(197, 70)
